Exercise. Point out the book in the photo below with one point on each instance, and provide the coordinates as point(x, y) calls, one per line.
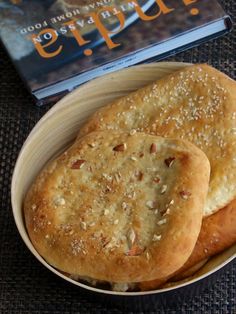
point(56, 45)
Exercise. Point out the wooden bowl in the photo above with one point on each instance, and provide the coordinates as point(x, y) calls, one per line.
point(59, 127)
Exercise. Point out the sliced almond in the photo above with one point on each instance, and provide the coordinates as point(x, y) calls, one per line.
point(92, 145)
point(120, 148)
point(83, 225)
point(163, 189)
point(153, 148)
point(151, 204)
point(162, 222)
point(78, 164)
point(124, 205)
point(185, 194)
point(135, 251)
point(131, 236)
point(147, 256)
point(132, 132)
point(169, 161)
point(156, 180)
point(139, 175)
point(156, 238)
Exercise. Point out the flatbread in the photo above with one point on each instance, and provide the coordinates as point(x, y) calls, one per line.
point(119, 207)
point(218, 233)
point(198, 104)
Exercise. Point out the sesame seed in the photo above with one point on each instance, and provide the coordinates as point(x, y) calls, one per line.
point(106, 212)
point(132, 132)
point(163, 189)
point(162, 222)
point(151, 204)
point(156, 238)
point(59, 201)
point(83, 225)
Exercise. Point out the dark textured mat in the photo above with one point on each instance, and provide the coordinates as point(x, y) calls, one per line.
point(25, 285)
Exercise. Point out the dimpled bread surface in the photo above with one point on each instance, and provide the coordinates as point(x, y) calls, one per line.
point(119, 207)
point(198, 104)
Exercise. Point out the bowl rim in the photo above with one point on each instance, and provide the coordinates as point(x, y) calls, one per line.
point(59, 105)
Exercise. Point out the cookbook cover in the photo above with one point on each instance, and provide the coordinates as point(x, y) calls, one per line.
point(56, 45)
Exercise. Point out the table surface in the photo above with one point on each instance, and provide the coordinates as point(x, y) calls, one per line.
point(25, 285)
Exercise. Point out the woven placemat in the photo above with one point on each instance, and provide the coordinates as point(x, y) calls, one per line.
point(25, 285)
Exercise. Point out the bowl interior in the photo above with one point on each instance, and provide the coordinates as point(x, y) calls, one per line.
point(59, 127)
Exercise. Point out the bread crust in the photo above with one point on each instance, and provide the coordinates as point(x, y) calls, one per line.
point(218, 232)
point(99, 211)
point(198, 104)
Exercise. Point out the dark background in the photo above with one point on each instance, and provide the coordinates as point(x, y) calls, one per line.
point(25, 285)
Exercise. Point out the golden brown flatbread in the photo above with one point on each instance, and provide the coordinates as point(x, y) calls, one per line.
point(218, 232)
point(119, 207)
point(198, 104)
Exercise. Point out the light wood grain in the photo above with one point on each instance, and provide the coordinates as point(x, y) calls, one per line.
point(58, 128)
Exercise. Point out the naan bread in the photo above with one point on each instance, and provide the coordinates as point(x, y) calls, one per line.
point(198, 104)
point(218, 232)
point(119, 207)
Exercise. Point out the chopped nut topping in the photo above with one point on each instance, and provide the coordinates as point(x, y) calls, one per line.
point(132, 132)
point(162, 222)
point(163, 211)
point(153, 148)
point(131, 236)
point(151, 204)
point(169, 161)
point(116, 222)
point(78, 164)
point(120, 147)
point(167, 211)
point(124, 205)
point(147, 256)
point(185, 194)
point(33, 207)
point(133, 158)
point(156, 180)
point(131, 195)
point(117, 177)
point(156, 238)
point(139, 175)
point(107, 189)
point(171, 202)
point(83, 225)
point(107, 177)
point(91, 145)
point(135, 251)
point(163, 189)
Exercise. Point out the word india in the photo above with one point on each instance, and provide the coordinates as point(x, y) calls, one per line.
point(52, 38)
